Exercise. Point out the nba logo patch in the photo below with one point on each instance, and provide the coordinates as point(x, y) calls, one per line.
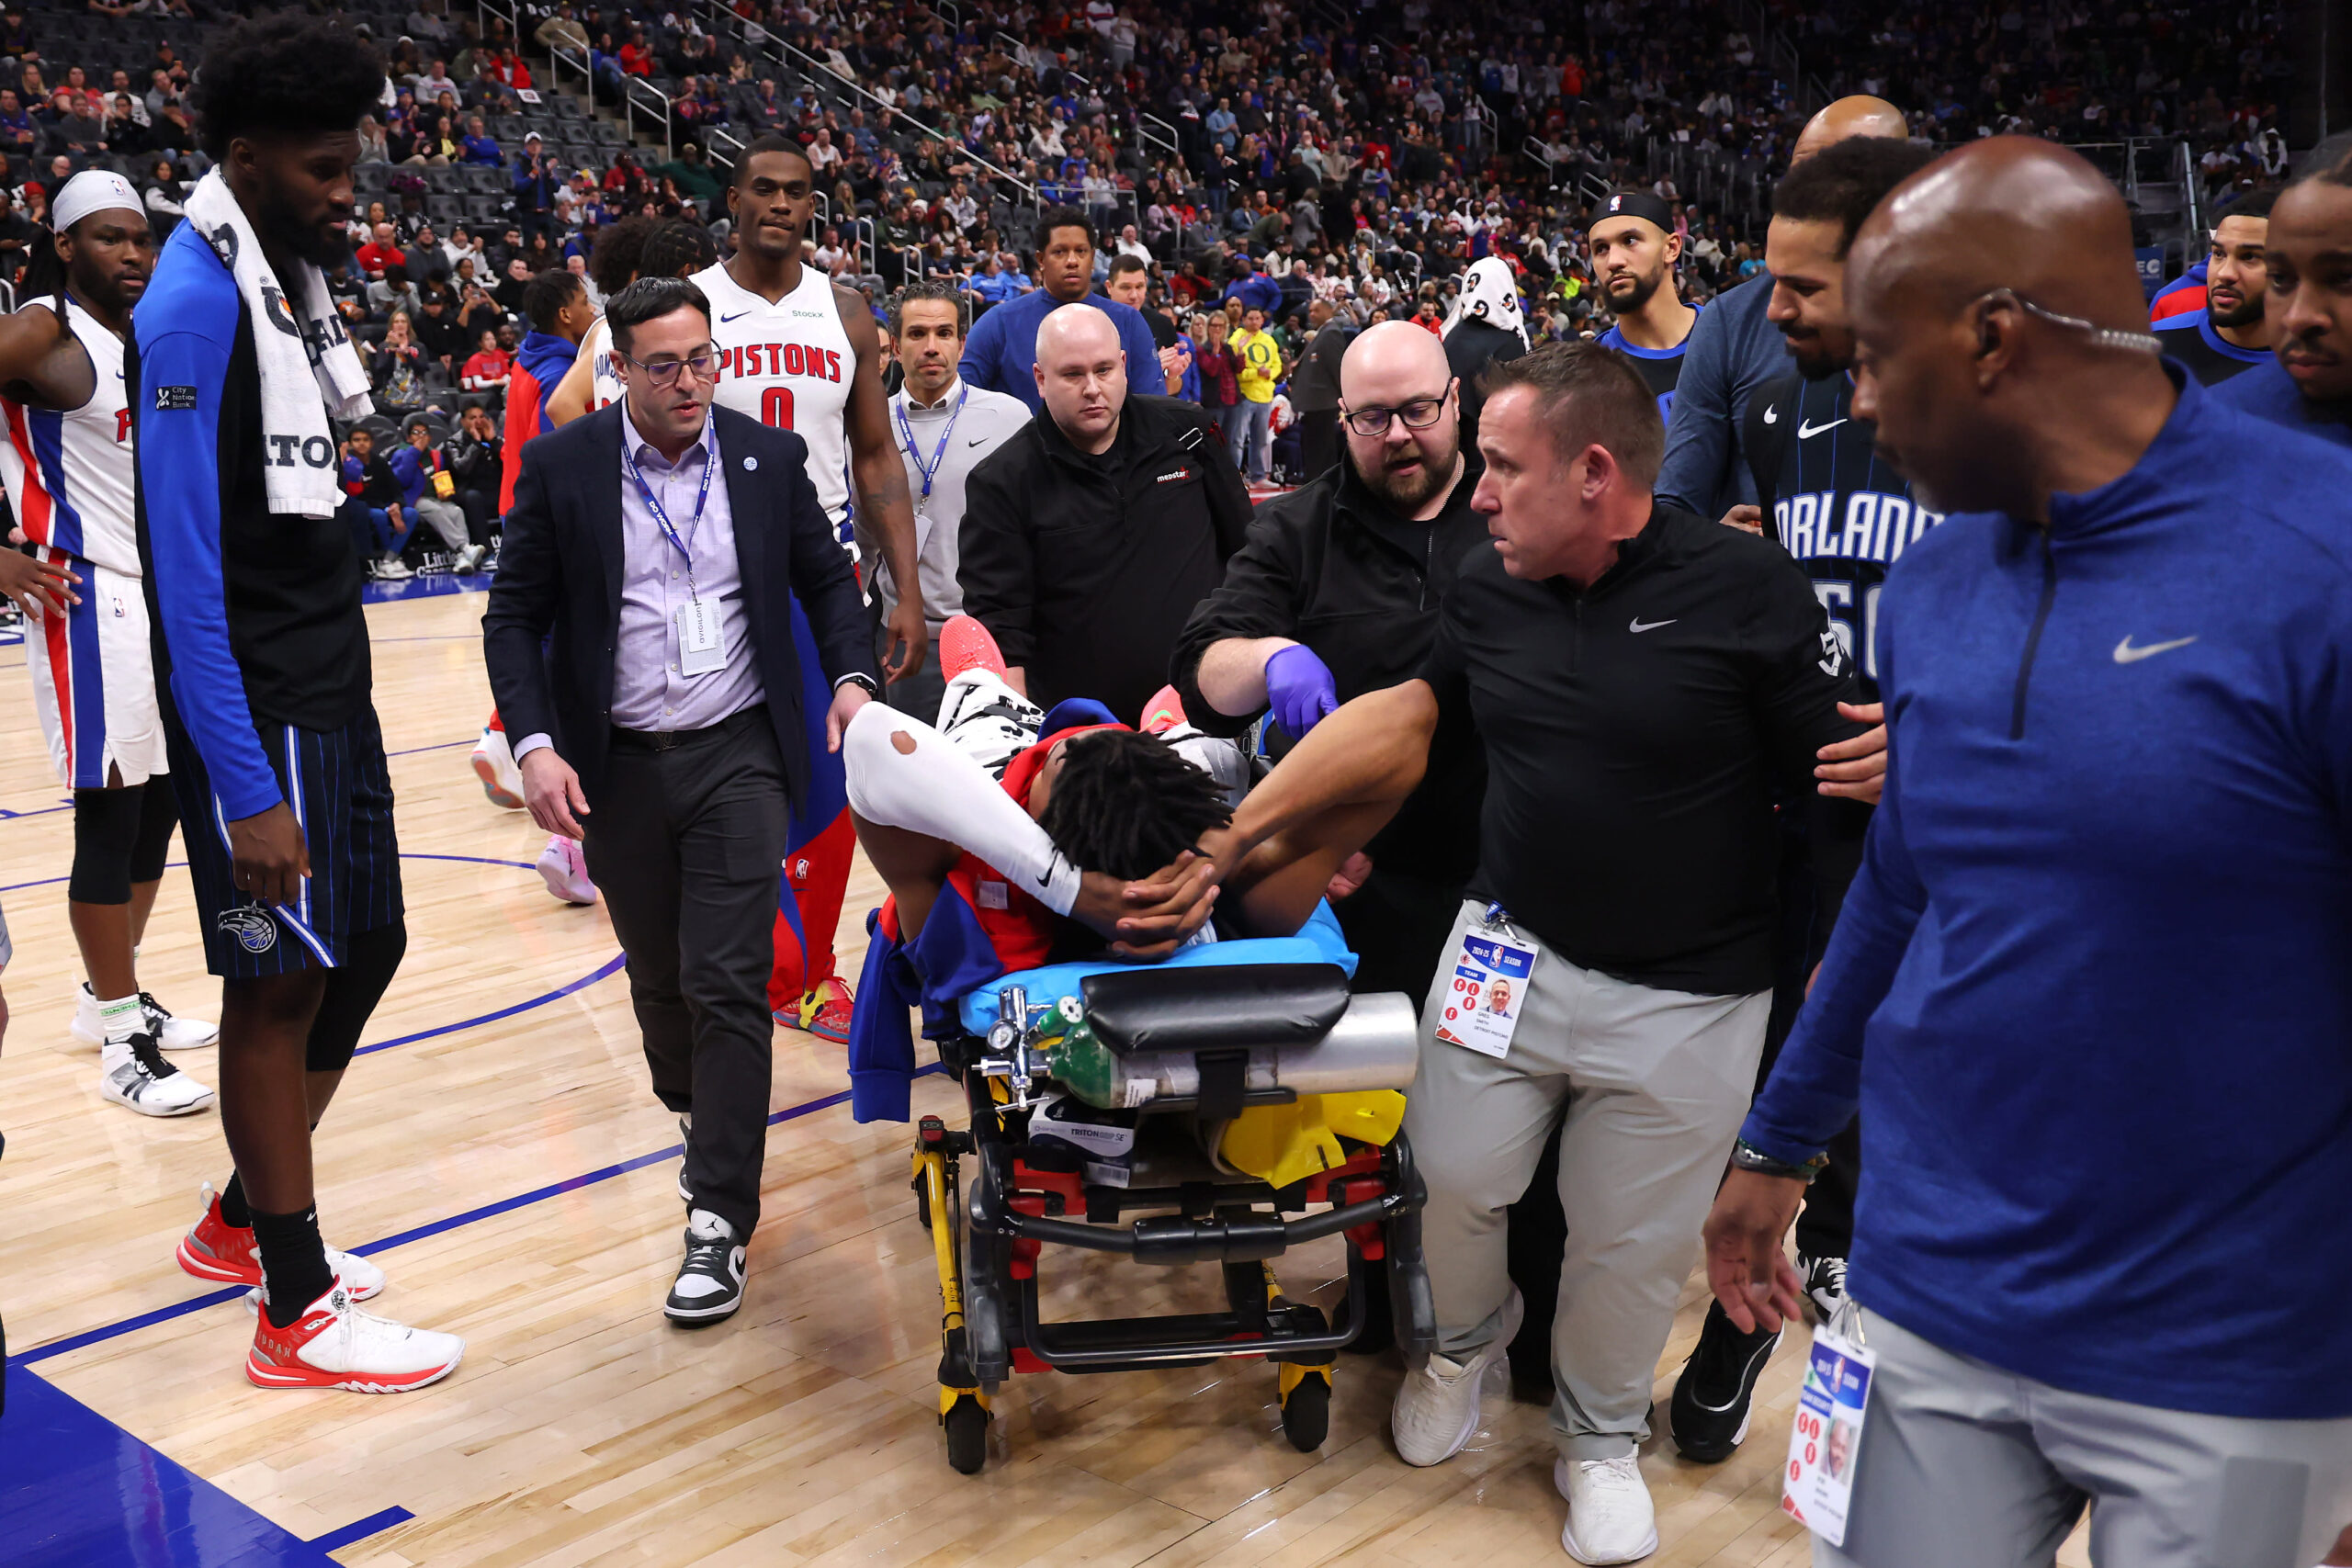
point(1615, 202)
point(253, 927)
point(799, 870)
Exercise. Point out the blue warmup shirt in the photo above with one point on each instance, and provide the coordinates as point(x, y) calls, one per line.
point(1001, 353)
point(256, 614)
point(547, 357)
point(2266, 391)
point(1732, 351)
point(2093, 987)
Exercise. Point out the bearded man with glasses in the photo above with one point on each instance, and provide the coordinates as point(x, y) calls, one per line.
point(662, 543)
point(1335, 594)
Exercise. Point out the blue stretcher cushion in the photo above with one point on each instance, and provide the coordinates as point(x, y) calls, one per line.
point(1318, 941)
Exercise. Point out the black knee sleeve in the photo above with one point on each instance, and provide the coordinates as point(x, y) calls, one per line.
point(159, 813)
point(354, 988)
point(106, 836)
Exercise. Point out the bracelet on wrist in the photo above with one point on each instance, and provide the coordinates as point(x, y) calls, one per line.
point(1746, 1156)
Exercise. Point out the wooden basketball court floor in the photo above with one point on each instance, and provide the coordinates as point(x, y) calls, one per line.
point(498, 1153)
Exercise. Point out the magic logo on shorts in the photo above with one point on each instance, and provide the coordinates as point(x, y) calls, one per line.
point(253, 927)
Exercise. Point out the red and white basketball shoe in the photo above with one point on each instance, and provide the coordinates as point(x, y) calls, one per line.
point(965, 644)
point(335, 1344)
point(494, 765)
point(226, 1254)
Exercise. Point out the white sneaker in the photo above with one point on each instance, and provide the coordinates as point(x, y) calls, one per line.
point(1610, 1519)
point(710, 1280)
point(564, 868)
point(494, 762)
point(469, 558)
point(172, 1032)
point(337, 1345)
point(133, 1073)
point(392, 569)
point(1437, 1407)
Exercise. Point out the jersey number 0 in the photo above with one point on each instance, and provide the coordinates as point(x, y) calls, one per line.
point(776, 407)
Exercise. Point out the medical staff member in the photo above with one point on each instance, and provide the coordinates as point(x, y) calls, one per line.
point(2104, 1081)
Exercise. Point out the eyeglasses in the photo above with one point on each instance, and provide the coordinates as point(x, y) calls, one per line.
point(2106, 337)
point(663, 372)
point(1418, 414)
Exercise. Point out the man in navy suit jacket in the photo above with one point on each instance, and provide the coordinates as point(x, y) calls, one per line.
point(643, 616)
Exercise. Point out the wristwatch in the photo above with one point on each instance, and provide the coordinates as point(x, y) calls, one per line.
point(873, 688)
point(1746, 1156)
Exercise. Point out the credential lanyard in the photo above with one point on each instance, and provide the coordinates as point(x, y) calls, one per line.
point(661, 515)
point(939, 454)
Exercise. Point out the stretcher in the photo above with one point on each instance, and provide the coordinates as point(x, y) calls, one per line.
point(1265, 1112)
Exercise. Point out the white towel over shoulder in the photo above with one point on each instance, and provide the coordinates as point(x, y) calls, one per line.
point(309, 368)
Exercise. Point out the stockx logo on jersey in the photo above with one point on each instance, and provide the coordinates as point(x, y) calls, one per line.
point(759, 359)
point(1875, 527)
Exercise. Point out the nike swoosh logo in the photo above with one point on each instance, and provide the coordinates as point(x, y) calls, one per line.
point(976, 440)
point(2127, 654)
point(1772, 413)
point(736, 317)
point(1808, 430)
point(1638, 626)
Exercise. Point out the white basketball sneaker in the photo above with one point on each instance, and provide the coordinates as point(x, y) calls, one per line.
point(335, 1344)
point(1437, 1407)
point(494, 765)
point(172, 1032)
point(1611, 1517)
point(563, 866)
point(132, 1072)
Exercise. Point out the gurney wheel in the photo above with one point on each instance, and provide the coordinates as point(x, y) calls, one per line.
point(1306, 1409)
point(967, 1434)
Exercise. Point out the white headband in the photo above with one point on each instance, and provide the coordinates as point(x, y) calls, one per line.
point(92, 190)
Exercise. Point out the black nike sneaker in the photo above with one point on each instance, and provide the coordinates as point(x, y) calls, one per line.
point(1709, 1412)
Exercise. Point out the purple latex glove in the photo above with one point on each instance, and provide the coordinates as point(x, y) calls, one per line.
point(1299, 689)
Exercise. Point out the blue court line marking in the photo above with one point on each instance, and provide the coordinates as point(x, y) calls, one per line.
point(437, 746)
point(436, 1227)
point(8, 816)
point(360, 1529)
point(610, 967)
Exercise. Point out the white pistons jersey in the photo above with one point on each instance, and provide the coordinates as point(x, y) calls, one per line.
point(789, 365)
point(69, 474)
point(596, 347)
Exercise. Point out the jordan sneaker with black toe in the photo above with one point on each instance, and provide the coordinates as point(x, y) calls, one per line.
point(710, 1280)
point(1709, 1412)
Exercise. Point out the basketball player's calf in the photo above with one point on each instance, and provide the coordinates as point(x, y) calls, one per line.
point(121, 837)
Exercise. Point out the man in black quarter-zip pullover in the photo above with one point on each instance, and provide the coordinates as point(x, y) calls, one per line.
point(1644, 681)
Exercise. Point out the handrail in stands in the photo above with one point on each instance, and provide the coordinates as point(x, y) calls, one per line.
point(819, 72)
point(639, 92)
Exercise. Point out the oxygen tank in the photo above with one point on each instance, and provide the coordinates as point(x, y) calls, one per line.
point(1375, 1044)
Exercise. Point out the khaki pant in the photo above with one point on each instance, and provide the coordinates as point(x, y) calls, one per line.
point(1963, 1465)
point(1649, 1088)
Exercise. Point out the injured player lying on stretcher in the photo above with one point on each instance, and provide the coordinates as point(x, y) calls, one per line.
point(1011, 837)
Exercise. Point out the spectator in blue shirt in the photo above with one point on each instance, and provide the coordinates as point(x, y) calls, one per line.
point(535, 178)
point(1001, 353)
point(1253, 288)
point(17, 133)
point(479, 148)
point(1221, 124)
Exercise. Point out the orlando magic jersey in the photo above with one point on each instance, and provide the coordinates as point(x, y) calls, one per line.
point(1835, 504)
point(1660, 368)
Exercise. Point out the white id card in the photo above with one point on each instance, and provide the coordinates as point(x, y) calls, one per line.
point(1817, 1487)
point(700, 649)
point(1488, 990)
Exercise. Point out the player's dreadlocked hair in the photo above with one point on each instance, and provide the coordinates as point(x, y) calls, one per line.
point(676, 248)
point(286, 73)
point(619, 252)
point(1127, 804)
